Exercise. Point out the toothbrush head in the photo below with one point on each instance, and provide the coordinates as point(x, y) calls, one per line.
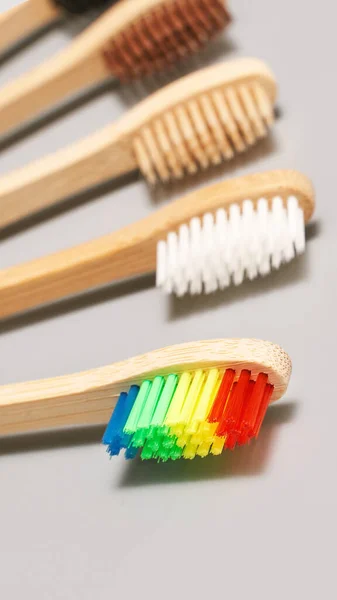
point(162, 34)
point(201, 411)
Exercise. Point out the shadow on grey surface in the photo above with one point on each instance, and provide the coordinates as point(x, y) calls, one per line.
point(131, 93)
point(67, 204)
point(56, 112)
point(72, 24)
point(98, 296)
point(246, 461)
point(49, 440)
point(26, 41)
point(158, 194)
point(288, 274)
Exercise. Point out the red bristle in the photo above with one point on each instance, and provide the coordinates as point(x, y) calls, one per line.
point(242, 434)
point(231, 440)
point(263, 409)
point(221, 398)
point(251, 409)
point(233, 409)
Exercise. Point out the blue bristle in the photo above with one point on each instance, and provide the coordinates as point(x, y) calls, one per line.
point(114, 436)
point(115, 447)
point(131, 452)
point(113, 426)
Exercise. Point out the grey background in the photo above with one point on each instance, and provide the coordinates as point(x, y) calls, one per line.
point(260, 522)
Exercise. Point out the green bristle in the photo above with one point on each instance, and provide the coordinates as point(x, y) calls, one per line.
point(139, 438)
point(168, 441)
point(135, 414)
point(147, 452)
point(154, 443)
point(176, 453)
point(150, 406)
point(164, 401)
point(164, 453)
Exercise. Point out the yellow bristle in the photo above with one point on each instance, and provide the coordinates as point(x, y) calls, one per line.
point(183, 440)
point(174, 412)
point(203, 449)
point(205, 401)
point(190, 451)
point(192, 398)
point(177, 430)
point(218, 446)
point(204, 433)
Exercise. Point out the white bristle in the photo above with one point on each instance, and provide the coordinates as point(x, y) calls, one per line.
point(216, 250)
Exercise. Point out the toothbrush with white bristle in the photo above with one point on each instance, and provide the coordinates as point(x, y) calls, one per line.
point(215, 251)
point(203, 242)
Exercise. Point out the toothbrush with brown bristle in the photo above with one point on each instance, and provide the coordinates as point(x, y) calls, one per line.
point(188, 400)
point(198, 121)
point(132, 39)
point(217, 236)
point(29, 16)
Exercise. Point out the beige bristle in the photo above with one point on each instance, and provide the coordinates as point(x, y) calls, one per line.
point(166, 34)
point(203, 131)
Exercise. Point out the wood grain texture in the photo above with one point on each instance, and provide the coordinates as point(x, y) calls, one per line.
point(23, 19)
point(132, 250)
point(88, 398)
point(119, 148)
point(81, 65)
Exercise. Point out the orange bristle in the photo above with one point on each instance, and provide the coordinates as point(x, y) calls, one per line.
point(168, 33)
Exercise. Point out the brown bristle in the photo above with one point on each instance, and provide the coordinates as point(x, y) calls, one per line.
point(203, 131)
point(165, 35)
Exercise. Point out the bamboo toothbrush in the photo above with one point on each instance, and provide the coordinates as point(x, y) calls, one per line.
point(195, 122)
point(132, 39)
point(183, 400)
point(31, 15)
point(239, 228)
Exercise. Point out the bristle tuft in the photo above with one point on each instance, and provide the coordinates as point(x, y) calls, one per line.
point(202, 132)
point(193, 414)
point(166, 34)
point(215, 251)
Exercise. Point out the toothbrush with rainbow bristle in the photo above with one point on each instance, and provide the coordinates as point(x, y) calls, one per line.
point(200, 411)
point(219, 235)
point(181, 401)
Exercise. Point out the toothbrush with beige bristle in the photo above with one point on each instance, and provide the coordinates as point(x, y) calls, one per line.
point(200, 120)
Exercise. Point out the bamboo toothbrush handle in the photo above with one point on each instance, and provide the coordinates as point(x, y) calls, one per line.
point(126, 253)
point(25, 18)
point(59, 176)
point(89, 397)
point(62, 76)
